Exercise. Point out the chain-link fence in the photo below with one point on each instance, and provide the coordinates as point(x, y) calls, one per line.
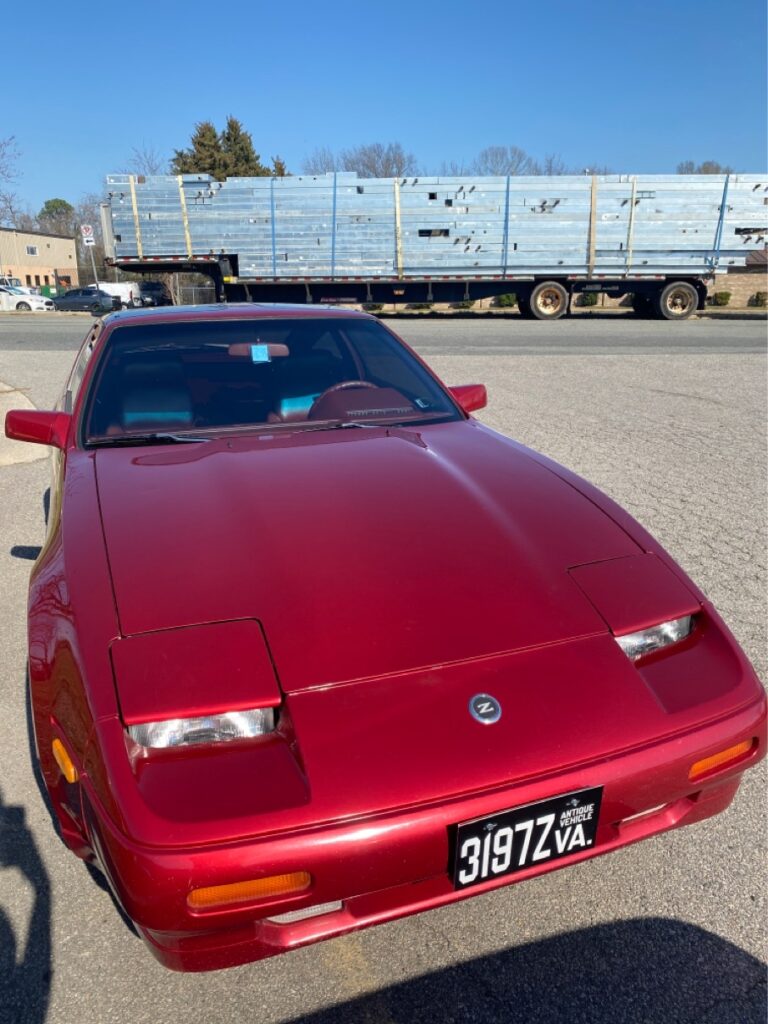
point(195, 295)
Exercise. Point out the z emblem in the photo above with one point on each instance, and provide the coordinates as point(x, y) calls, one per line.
point(485, 709)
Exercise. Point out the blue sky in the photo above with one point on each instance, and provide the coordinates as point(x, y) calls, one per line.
point(637, 86)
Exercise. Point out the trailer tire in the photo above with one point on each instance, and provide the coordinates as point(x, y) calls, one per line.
point(524, 308)
point(677, 301)
point(549, 301)
point(642, 305)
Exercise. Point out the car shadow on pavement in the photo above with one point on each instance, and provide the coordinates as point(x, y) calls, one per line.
point(25, 959)
point(644, 970)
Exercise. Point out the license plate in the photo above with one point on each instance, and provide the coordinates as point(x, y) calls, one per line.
point(524, 837)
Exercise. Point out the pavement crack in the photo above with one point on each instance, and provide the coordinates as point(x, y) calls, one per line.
point(706, 1011)
point(685, 394)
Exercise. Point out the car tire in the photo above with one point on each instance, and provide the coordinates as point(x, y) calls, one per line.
point(549, 301)
point(677, 301)
point(95, 308)
point(23, 307)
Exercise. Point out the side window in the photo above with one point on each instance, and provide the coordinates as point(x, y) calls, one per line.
point(78, 371)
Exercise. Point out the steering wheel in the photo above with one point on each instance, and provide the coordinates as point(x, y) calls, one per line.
point(344, 385)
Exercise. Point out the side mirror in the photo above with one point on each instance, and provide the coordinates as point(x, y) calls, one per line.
point(470, 396)
point(38, 427)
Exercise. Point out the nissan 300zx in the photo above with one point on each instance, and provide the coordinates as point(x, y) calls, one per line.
point(311, 648)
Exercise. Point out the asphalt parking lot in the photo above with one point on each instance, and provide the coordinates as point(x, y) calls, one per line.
point(670, 420)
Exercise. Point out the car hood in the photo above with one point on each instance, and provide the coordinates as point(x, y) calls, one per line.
point(361, 552)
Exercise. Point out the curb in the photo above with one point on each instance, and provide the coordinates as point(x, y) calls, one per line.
point(576, 314)
point(12, 453)
point(35, 315)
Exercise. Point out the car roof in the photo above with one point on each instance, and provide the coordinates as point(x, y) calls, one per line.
point(231, 311)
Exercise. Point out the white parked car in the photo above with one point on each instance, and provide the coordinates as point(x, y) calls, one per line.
point(15, 298)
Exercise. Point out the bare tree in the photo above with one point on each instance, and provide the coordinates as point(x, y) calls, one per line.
point(9, 154)
point(497, 161)
point(597, 168)
point(321, 161)
point(454, 169)
point(12, 213)
point(21, 219)
point(553, 165)
point(377, 160)
point(147, 160)
point(707, 167)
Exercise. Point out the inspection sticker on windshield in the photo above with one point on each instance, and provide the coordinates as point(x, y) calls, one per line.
point(524, 837)
point(260, 354)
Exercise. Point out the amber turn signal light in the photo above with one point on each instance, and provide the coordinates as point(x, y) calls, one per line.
point(64, 761)
point(719, 760)
point(215, 896)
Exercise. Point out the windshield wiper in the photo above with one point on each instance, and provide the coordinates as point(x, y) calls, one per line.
point(412, 424)
point(127, 440)
point(346, 425)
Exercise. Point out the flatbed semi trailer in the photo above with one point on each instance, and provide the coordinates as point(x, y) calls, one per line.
point(339, 238)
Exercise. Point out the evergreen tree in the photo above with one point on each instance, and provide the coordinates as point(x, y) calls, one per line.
point(58, 217)
point(239, 158)
point(203, 156)
point(225, 154)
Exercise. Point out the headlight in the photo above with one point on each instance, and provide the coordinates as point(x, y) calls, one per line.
point(645, 641)
point(182, 732)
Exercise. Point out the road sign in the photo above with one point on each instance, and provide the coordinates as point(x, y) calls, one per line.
point(86, 230)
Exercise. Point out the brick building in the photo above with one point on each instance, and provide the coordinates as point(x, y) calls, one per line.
point(37, 258)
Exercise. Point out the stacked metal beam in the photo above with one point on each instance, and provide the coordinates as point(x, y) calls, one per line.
point(338, 225)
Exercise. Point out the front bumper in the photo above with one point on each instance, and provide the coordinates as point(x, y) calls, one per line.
point(397, 864)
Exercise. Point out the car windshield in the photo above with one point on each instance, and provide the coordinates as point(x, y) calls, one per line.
point(208, 376)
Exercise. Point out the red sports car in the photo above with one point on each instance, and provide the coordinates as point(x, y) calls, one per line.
point(310, 648)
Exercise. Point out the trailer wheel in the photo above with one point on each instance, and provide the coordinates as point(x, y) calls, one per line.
point(677, 301)
point(549, 301)
point(524, 308)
